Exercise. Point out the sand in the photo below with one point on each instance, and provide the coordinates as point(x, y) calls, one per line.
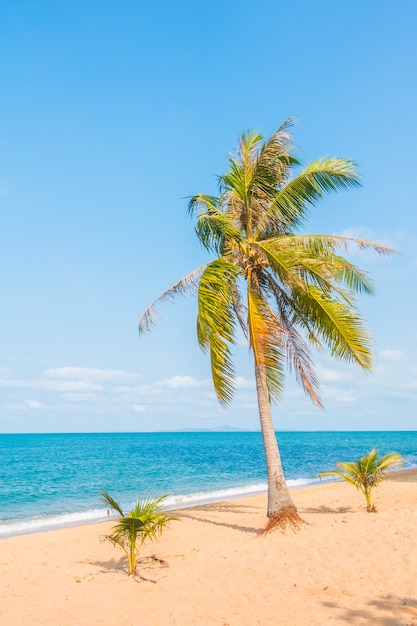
point(345, 566)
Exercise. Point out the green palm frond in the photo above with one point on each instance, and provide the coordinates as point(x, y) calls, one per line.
point(201, 204)
point(281, 262)
point(301, 267)
point(216, 322)
point(289, 208)
point(339, 325)
point(214, 226)
point(255, 174)
point(318, 244)
point(238, 177)
point(110, 502)
point(271, 170)
point(214, 230)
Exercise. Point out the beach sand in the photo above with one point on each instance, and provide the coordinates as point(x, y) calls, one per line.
point(345, 566)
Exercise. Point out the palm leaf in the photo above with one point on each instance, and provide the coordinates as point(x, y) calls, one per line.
point(266, 339)
point(188, 284)
point(338, 324)
point(110, 502)
point(216, 322)
point(289, 207)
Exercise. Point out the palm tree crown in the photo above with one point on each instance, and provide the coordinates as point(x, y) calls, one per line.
point(286, 290)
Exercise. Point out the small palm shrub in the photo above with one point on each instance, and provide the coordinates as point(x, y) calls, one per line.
point(366, 473)
point(145, 521)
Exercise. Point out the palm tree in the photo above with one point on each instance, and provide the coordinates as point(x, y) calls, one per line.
point(285, 290)
point(366, 473)
point(145, 521)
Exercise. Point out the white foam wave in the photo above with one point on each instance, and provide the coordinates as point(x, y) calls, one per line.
point(51, 522)
point(173, 502)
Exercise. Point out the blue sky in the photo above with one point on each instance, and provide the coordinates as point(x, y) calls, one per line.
point(111, 114)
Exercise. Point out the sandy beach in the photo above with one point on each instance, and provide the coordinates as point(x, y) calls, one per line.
point(345, 566)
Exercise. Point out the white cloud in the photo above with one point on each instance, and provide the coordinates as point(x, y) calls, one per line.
point(138, 408)
point(341, 396)
point(332, 375)
point(89, 373)
point(51, 385)
point(79, 397)
point(393, 356)
point(64, 385)
point(34, 404)
point(244, 383)
point(131, 389)
point(10, 382)
point(183, 382)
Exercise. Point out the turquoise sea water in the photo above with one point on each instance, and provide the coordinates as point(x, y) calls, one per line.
point(48, 481)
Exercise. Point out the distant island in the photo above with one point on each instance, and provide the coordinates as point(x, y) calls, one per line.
point(218, 429)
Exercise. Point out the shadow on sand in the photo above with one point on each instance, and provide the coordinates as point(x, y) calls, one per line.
point(145, 565)
point(327, 509)
point(220, 507)
point(403, 612)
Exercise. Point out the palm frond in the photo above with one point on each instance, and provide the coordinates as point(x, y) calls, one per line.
point(289, 208)
point(266, 339)
point(271, 170)
point(216, 230)
point(299, 360)
point(202, 203)
point(110, 502)
point(240, 310)
point(187, 285)
point(313, 262)
point(298, 356)
point(216, 322)
point(317, 244)
point(344, 475)
point(338, 324)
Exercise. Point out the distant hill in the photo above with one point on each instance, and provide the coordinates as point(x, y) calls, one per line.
point(218, 429)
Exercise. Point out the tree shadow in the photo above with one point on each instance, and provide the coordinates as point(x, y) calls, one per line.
point(113, 566)
point(327, 509)
point(225, 507)
point(244, 529)
point(145, 563)
point(403, 612)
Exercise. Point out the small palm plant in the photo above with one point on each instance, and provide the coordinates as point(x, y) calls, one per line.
point(366, 473)
point(145, 521)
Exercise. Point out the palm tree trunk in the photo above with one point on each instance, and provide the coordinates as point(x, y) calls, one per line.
point(281, 509)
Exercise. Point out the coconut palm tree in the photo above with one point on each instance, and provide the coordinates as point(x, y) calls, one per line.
point(145, 521)
point(366, 473)
point(286, 290)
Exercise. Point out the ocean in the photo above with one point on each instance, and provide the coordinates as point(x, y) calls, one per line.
point(49, 481)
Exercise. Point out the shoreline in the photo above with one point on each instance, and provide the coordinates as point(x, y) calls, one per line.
point(408, 475)
point(211, 567)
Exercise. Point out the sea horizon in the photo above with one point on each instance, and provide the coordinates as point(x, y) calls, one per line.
point(213, 430)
